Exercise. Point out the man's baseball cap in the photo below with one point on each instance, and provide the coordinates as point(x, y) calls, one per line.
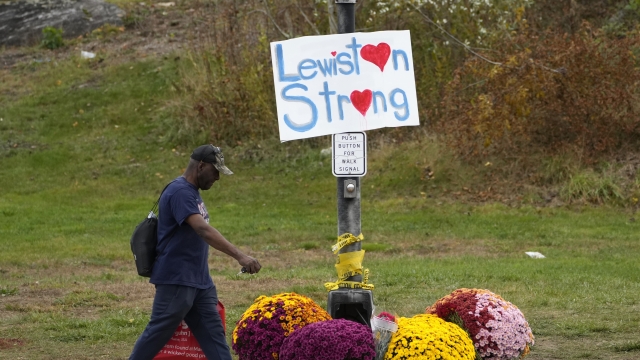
point(211, 154)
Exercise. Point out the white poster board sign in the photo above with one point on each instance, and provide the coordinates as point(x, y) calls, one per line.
point(344, 83)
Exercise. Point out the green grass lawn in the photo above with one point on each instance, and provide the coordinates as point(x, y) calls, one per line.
point(84, 154)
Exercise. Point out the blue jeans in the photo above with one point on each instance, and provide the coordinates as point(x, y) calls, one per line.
point(197, 307)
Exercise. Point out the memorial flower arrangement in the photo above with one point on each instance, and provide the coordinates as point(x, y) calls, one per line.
point(337, 339)
point(497, 327)
point(384, 326)
point(426, 336)
point(261, 330)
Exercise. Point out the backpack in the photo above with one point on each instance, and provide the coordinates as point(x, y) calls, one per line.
point(144, 240)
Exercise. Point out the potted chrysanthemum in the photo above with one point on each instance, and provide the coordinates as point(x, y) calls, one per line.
point(337, 339)
point(427, 336)
point(261, 330)
point(497, 327)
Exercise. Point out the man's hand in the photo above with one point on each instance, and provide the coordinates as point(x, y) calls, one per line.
point(251, 265)
point(213, 237)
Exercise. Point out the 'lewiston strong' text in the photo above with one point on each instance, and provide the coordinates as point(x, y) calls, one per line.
point(340, 83)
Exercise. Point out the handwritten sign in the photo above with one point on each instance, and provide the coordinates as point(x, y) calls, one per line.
point(344, 83)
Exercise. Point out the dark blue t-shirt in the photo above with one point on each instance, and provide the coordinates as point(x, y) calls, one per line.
point(182, 254)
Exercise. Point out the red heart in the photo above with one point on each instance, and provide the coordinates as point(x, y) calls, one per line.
point(333, 53)
point(361, 100)
point(376, 54)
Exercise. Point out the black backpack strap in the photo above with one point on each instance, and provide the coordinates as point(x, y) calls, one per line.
point(154, 209)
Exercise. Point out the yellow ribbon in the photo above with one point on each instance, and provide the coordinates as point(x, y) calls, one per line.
point(344, 240)
point(349, 264)
point(342, 283)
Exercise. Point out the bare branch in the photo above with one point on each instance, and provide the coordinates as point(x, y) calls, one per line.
point(470, 85)
point(467, 47)
point(307, 19)
point(561, 71)
point(333, 25)
point(268, 14)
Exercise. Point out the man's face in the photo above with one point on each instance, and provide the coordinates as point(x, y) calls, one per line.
point(207, 175)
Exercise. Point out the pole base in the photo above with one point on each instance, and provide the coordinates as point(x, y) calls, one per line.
point(351, 304)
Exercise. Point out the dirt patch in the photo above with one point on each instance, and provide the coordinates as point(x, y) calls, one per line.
point(10, 57)
point(83, 290)
point(10, 343)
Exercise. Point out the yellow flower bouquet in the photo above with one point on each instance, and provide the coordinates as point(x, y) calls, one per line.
point(427, 337)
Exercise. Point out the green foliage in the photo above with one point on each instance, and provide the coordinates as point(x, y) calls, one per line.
point(625, 21)
point(633, 5)
point(136, 13)
point(52, 38)
point(628, 346)
point(592, 187)
point(309, 245)
point(228, 103)
point(568, 16)
point(106, 31)
point(557, 169)
point(6, 291)
point(131, 20)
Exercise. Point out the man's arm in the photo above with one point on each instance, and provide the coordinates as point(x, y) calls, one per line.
point(213, 237)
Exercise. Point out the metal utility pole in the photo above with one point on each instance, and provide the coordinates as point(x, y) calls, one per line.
point(348, 194)
point(346, 10)
point(348, 303)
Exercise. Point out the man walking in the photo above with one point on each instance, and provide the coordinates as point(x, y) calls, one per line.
point(184, 289)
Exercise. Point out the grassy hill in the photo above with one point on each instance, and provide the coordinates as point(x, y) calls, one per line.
point(87, 144)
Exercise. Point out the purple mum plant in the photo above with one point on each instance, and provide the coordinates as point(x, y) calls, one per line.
point(337, 339)
point(262, 329)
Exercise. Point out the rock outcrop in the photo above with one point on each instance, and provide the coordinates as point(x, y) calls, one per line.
point(21, 22)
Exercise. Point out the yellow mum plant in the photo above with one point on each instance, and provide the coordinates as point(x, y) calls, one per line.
point(427, 337)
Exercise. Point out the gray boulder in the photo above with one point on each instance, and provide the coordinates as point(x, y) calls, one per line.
point(21, 22)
